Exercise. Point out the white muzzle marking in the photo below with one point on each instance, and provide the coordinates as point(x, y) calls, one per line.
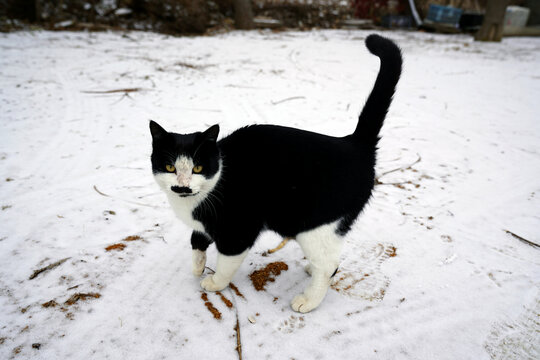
point(184, 169)
point(183, 179)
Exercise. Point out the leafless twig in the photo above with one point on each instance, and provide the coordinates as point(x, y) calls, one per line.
point(287, 99)
point(400, 168)
point(522, 239)
point(237, 326)
point(125, 95)
point(47, 268)
point(125, 91)
point(280, 246)
point(238, 339)
point(118, 198)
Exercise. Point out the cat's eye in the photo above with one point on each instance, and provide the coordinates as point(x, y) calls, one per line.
point(170, 168)
point(197, 169)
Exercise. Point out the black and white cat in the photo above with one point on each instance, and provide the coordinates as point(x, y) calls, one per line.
point(300, 184)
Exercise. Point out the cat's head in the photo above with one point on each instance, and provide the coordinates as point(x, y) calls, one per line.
point(185, 165)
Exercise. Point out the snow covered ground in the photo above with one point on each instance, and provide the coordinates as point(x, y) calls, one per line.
point(428, 271)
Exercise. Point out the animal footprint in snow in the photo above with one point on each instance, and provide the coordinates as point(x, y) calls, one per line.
point(291, 324)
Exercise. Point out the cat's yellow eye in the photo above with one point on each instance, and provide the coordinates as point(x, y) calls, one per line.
point(197, 169)
point(170, 168)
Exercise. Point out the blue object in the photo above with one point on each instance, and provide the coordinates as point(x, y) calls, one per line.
point(444, 14)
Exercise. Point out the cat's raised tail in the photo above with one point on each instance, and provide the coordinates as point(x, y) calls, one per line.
point(372, 116)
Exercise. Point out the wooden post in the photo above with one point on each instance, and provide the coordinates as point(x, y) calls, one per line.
point(492, 27)
point(243, 15)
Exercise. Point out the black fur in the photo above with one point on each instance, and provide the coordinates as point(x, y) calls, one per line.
point(166, 147)
point(199, 241)
point(284, 179)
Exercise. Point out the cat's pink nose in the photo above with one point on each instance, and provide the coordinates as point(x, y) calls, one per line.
point(183, 179)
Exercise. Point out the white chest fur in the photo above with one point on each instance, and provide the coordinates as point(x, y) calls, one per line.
point(183, 208)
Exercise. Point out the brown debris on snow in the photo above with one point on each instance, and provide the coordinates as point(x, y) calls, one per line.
point(226, 301)
point(338, 286)
point(132, 238)
point(81, 296)
point(118, 247)
point(391, 251)
point(236, 291)
point(260, 277)
point(50, 303)
point(210, 306)
point(46, 268)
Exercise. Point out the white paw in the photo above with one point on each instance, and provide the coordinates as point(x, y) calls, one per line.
point(303, 304)
point(208, 284)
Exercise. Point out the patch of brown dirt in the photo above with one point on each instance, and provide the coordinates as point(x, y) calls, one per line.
point(391, 251)
point(210, 306)
point(236, 291)
point(51, 303)
point(226, 301)
point(132, 238)
point(81, 296)
point(118, 247)
point(260, 277)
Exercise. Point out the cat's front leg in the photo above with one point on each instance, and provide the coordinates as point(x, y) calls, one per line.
point(198, 261)
point(199, 243)
point(225, 269)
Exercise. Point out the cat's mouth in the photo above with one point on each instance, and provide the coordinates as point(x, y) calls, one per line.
point(183, 191)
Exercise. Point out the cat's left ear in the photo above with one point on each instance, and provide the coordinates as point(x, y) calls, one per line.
point(211, 134)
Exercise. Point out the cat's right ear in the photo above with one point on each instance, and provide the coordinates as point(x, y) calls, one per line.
point(156, 130)
point(212, 133)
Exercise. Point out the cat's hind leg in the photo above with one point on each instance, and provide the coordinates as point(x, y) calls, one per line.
point(225, 269)
point(322, 247)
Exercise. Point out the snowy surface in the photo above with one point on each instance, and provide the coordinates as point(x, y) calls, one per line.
point(428, 271)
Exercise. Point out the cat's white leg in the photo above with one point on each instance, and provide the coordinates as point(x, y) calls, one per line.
point(198, 258)
point(225, 269)
point(322, 247)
